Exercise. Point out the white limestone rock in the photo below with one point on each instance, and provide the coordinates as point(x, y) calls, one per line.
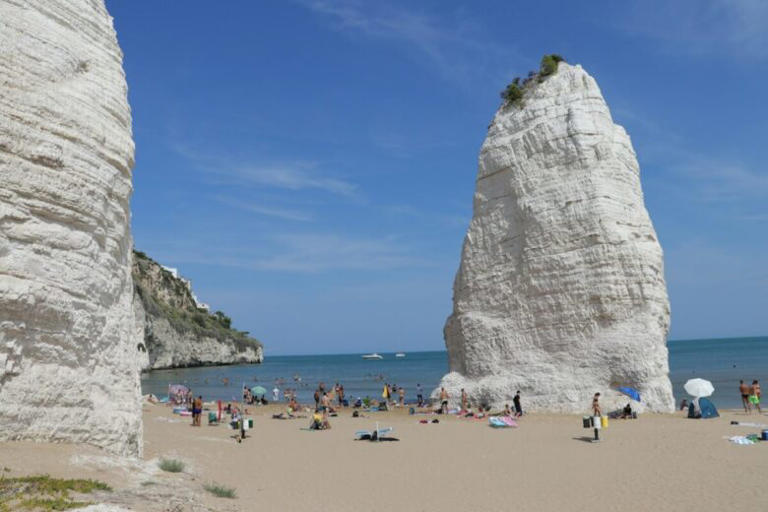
point(560, 292)
point(68, 352)
point(175, 331)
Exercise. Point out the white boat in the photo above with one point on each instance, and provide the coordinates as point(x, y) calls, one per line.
point(372, 356)
point(400, 354)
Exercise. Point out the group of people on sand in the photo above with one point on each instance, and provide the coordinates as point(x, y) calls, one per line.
point(467, 411)
point(750, 396)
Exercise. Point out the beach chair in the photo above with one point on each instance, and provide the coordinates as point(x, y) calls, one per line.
point(213, 418)
point(373, 435)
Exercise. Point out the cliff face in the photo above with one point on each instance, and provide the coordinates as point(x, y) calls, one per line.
point(560, 292)
point(175, 330)
point(68, 354)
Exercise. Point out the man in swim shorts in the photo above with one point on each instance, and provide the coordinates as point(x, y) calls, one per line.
point(197, 411)
point(444, 401)
point(754, 396)
point(744, 390)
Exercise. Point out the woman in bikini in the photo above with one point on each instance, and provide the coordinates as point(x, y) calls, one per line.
point(596, 411)
point(754, 396)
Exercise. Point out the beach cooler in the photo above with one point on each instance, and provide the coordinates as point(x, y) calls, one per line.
point(604, 421)
point(764, 435)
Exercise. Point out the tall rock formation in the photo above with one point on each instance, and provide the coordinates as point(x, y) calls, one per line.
point(68, 350)
point(176, 331)
point(560, 292)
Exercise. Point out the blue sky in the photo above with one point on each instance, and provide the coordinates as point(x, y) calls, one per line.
point(310, 165)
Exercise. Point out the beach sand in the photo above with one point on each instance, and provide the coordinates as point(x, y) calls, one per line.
point(657, 462)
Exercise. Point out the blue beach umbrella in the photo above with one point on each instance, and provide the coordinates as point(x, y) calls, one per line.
point(258, 391)
point(630, 392)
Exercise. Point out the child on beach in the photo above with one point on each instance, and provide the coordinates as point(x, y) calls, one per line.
point(518, 407)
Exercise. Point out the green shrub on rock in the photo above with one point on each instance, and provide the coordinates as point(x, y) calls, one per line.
point(513, 92)
point(549, 64)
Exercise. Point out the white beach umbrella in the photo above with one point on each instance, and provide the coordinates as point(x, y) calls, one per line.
point(699, 388)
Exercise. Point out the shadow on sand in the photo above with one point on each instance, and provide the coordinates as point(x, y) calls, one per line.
point(585, 439)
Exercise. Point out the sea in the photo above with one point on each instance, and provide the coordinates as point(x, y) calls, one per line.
point(722, 361)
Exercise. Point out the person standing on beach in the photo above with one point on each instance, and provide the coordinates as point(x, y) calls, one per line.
point(197, 411)
point(419, 395)
point(317, 398)
point(754, 396)
point(518, 407)
point(444, 396)
point(744, 390)
point(596, 411)
point(341, 395)
point(325, 402)
point(401, 392)
point(464, 400)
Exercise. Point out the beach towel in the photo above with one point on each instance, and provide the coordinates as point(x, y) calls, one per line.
point(749, 424)
point(741, 440)
point(501, 422)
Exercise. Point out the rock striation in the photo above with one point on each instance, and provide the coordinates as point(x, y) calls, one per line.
point(175, 329)
point(68, 352)
point(560, 292)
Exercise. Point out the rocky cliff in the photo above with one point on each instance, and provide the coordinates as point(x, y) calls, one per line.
point(176, 331)
point(68, 353)
point(560, 292)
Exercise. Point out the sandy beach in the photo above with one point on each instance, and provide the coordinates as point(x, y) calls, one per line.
point(657, 462)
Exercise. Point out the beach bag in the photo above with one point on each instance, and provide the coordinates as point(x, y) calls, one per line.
point(604, 421)
point(587, 421)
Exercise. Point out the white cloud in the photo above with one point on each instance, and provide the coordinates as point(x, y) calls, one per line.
point(282, 213)
point(455, 47)
point(722, 27)
point(714, 180)
point(298, 253)
point(293, 178)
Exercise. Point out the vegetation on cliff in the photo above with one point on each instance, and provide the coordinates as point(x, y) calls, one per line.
point(166, 296)
point(513, 93)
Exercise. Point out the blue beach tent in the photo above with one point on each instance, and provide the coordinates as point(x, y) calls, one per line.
point(705, 410)
point(708, 409)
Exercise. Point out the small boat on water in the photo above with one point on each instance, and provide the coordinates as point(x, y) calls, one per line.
point(400, 354)
point(372, 356)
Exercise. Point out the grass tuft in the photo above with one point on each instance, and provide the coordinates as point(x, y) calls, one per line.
point(171, 465)
point(45, 493)
point(220, 491)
